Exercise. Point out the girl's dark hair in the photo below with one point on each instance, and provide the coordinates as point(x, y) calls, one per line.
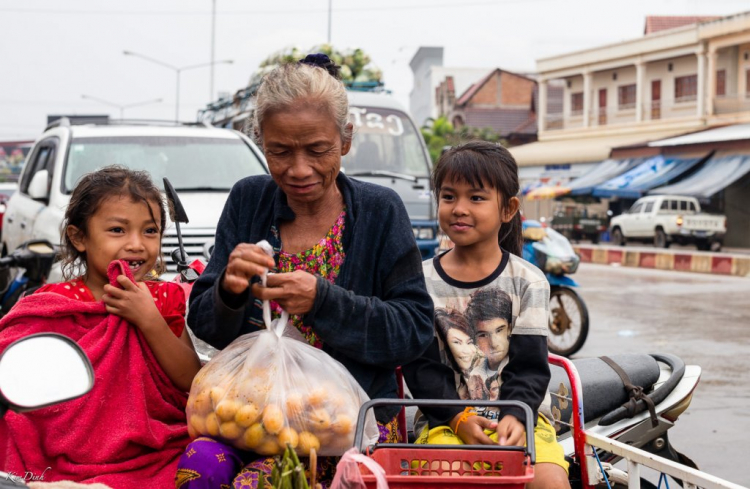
point(489, 303)
point(323, 61)
point(480, 164)
point(87, 198)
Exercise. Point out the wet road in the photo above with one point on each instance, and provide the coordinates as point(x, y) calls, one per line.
point(705, 320)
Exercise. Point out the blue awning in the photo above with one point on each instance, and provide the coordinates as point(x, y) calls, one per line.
point(653, 172)
point(602, 172)
point(718, 173)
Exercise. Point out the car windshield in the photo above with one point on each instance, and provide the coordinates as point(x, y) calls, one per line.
point(190, 163)
point(384, 141)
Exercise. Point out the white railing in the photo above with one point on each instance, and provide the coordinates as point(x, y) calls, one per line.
point(636, 457)
point(730, 104)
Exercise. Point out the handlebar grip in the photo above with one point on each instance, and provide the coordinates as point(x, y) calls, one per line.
point(530, 450)
point(7, 261)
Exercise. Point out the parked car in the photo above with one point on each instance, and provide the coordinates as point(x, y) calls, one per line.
point(7, 189)
point(202, 162)
point(666, 219)
point(575, 222)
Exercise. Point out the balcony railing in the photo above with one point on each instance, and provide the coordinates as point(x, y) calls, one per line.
point(730, 104)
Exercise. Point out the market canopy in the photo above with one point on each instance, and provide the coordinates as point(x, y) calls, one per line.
point(653, 172)
point(606, 170)
point(579, 149)
point(719, 172)
point(548, 192)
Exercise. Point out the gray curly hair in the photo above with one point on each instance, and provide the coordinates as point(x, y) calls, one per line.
point(291, 82)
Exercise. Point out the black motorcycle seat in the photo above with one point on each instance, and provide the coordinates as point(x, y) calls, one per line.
point(603, 389)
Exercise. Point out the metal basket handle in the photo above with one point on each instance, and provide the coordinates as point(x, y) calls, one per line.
point(529, 449)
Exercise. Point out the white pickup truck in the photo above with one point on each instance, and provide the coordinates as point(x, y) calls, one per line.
point(666, 219)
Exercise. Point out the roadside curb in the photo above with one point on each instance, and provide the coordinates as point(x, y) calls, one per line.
point(681, 261)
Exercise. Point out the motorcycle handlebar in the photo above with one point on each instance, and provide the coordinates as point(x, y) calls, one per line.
point(8, 261)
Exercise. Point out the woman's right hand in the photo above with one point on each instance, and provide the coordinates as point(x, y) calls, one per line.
point(245, 262)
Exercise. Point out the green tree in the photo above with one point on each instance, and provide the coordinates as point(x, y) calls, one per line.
point(356, 65)
point(439, 133)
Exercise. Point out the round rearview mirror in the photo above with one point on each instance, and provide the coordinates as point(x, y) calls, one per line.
point(43, 369)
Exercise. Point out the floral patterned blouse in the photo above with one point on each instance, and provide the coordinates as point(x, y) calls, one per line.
point(324, 259)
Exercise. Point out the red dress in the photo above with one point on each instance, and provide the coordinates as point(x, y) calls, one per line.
point(168, 297)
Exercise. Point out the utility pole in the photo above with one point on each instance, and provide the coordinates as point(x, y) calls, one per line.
point(213, 47)
point(329, 21)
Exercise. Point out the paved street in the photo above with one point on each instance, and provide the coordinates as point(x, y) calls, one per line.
point(704, 319)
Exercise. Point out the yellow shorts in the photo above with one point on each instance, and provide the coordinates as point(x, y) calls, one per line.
point(548, 451)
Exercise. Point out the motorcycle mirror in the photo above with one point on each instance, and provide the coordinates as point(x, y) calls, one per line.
point(176, 211)
point(41, 370)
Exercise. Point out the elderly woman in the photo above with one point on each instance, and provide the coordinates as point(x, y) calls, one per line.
point(350, 273)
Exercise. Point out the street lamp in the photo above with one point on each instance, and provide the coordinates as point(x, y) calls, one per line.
point(121, 106)
point(177, 72)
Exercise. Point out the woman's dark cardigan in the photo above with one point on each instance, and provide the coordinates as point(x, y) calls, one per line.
point(377, 315)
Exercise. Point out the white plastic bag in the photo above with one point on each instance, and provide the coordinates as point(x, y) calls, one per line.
point(267, 389)
point(349, 476)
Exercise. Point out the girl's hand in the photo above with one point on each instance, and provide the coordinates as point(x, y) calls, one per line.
point(133, 302)
point(245, 262)
point(293, 291)
point(471, 431)
point(510, 431)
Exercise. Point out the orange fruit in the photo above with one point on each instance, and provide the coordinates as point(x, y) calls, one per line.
point(319, 420)
point(227, 409)
point(317, 396)
point(269, 446)
point(217, 394)
point(254, 436)
point(295, 405)
point(342, 425)
point(307, 441)
point(288, 436)
point(273, 419)
point(230, 430)
point(198, 424)
point(212, 424)
point(247, 415)
point(201, 403)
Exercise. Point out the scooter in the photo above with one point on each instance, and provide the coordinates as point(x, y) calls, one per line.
point(38, 371)
point(33, 260)
point(552, 253)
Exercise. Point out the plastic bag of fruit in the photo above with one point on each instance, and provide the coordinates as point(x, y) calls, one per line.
point(267, 390)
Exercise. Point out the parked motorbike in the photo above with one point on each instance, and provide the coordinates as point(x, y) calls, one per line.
point(612, 411)
point(38, 371)
point(552, 253)
point(33, 261)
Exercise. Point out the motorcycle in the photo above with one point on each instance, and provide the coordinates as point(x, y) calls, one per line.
point(552, 253)
point(38, 371)
point(33, 260)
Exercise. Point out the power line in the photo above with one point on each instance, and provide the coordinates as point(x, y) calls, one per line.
point(270, 12)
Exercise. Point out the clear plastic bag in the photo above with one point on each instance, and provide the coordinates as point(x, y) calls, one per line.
point(267, 389)
point(349, 476)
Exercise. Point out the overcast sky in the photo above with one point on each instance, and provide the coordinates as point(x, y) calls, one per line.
point(54, 51)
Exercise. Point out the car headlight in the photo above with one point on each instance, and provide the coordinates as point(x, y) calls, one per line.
point(423, 233)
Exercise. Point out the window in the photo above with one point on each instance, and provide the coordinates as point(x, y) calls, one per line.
point(636, 208)
point(692, 206)
point(576, 103)
point(721, 83)
point(626, 97)
point(674, 205)
point(683, 205)
point(42, 159)
point(649, 207)
point(685, 88)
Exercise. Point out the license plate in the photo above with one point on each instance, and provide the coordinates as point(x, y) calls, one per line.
point(700, 234)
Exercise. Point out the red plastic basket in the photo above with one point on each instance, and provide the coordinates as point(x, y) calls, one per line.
point(416, 468)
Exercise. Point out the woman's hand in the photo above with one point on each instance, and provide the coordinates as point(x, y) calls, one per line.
point(293, 291)
point(133, 302)
point(245, 262)
point(510, 431)
point(471, 431)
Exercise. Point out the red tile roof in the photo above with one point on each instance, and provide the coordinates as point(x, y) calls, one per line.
point(656, 23)
point(472, 90)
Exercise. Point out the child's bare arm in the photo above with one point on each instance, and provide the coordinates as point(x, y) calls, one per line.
point(135, 304)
